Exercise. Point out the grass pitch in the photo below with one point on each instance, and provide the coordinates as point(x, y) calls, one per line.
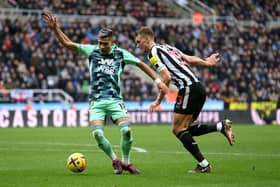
point(37, 157)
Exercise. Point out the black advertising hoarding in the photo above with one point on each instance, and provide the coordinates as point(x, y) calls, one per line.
point(75, 118)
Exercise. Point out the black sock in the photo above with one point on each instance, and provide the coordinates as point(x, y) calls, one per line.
point(200, 129)
point(189, 143)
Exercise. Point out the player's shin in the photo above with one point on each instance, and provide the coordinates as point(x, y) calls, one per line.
point(189, 143)
point(102, 141)
point(126, 141)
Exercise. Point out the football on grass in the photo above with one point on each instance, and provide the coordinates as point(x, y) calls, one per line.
point(77, 162)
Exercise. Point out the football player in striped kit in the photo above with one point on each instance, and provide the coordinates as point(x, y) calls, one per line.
point(173, 65)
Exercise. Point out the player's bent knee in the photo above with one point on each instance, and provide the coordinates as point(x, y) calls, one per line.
point(175, 131)
point(98, 134)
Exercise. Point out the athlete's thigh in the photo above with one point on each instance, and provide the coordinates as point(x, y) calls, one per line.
point(97, 110)
point(117, 110)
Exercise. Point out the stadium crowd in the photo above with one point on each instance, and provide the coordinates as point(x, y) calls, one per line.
point(31, 57)
point(137, 8)
point(258, 10)
point(249, 59)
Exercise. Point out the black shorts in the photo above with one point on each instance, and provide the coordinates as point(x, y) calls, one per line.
point(190, 100)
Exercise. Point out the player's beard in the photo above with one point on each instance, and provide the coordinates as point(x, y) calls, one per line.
point(105, 51)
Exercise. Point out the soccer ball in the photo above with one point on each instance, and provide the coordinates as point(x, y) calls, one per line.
point(77, 162)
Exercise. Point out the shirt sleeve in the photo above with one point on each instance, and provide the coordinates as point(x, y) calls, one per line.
point(86, 49)
point(130, 58)
point(155, 60)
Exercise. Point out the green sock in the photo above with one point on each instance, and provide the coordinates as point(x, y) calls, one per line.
point(103, 142)
point(126, 141)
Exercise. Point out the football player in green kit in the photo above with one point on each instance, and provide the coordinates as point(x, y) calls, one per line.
point(106, 63)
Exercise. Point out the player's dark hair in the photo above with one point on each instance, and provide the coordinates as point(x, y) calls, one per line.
point(105, 32)
point(145, 31)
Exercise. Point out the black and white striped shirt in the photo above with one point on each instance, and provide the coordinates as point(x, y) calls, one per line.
point(162, 56)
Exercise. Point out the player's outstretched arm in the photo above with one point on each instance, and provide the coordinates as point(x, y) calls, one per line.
point(209, 61)
point(161, 85)
point(51, 20)
point(166, 78)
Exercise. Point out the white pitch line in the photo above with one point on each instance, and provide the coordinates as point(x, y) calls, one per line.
point(139, 151)
point(136, 149)
point(14, 169)
point(224, 154)
point(47, 143)
point(46, 150)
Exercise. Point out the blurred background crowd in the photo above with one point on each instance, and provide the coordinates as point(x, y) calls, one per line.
point(137, 8)
point(31, 56)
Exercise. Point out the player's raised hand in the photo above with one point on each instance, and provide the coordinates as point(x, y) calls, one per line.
point(213, 59)
point(50, 19)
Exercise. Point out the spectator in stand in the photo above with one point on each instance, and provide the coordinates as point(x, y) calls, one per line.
point(3, 89)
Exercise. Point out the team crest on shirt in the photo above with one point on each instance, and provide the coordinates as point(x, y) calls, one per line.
point(154, 61)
